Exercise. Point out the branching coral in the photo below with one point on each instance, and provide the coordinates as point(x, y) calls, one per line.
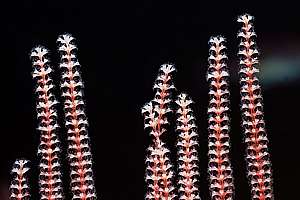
point(219, 166)
point(82, 182)
point(48, 151)
point(159, 169)
point(159, 173)
point(19, 188)
point(258, 158)
point(187, 145)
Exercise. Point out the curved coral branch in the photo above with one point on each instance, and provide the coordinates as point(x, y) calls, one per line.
point(82, 182)
point(187, 145)
point(19, 188)
point(258, 158)
point(219, 166)
point(153, 168)
point(50, 175)
point(159, 169)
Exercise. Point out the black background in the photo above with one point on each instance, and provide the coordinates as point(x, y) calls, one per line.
point(121, 46)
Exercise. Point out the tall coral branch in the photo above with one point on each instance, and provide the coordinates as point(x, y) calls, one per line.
point(82, 182)
point(219, 166)
point(19, 188)
point(258, 158)
point(159, 173)
point(187, 145)
point(48, 151)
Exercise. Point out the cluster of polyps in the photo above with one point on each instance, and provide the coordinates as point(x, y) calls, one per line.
point(19, 188)
point(50, 175)
point(258, 159)
point(82, 183)
point(219, 167)
point(187, 145)
point(159, 173)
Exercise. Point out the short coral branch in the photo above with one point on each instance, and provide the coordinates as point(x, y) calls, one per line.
point(19, 188)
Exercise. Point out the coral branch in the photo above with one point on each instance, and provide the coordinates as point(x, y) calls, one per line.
point(159, 174)
point(48, 151)
point(153, 168)
point(187, 145)
point(82, 183)
point(219, 166)
point(19, 188)
point(163, 87)
point(258, 158)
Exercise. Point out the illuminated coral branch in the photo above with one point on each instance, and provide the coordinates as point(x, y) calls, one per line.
point(258, 158)
point(19, 188)
point(48, 151)
point(187, 145)
point(219, 166)
point(82, 183)
point(159, 173)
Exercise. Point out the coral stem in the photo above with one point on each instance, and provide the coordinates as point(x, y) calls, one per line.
point(19, 188)
point(158, 155)
point(219, 167)
point(258, 158)
point(187, 145)
point(82, 183)
point(50, 175)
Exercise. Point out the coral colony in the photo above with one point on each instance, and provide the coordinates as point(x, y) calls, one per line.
point(164, 180)
point(79, 154)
